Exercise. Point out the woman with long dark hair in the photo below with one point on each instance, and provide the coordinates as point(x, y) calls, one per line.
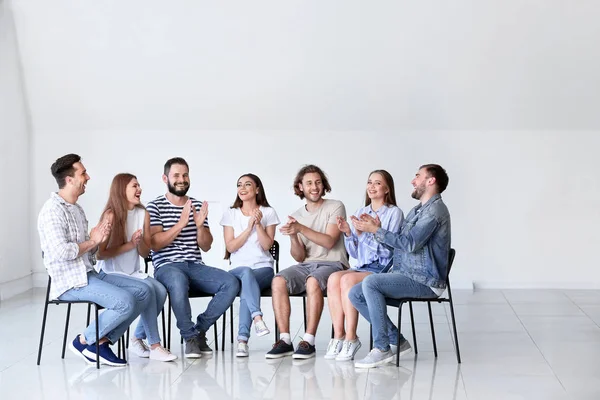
point(120, 254)
point(249, 230)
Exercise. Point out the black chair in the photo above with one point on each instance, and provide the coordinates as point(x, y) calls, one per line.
point(191, 294)
point(399, 302)
point(68, 303)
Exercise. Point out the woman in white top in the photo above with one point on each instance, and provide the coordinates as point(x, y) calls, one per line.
point(372, 258)
point(249, 230)
point(120, 254)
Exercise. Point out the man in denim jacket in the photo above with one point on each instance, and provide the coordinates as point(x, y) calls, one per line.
point(421, 251)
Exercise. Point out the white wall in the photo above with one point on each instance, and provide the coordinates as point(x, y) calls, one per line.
point(15, 249)
point(523, 204)
point(504, 94)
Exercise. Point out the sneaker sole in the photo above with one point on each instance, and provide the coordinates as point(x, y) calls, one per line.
point(376, 364)
point(80, 354)
point(103, 360)
point(263, 333)
point(330, 357)
point(241, 354)
point(279, 355)
point(193, 355)
point(407, 351)
point(164, 359)
point(302, 356)
point(206, 352)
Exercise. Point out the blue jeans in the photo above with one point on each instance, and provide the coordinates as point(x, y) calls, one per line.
point(252, 281)
point(122, 298)
point(368, 297)
point(147, 327)
point(181, 277)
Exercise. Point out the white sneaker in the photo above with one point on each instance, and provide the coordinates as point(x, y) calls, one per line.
point(349, 349)
point(334, 348)
point(242, 350)
point(161, 354)
point(261, 328)
point(139, 348)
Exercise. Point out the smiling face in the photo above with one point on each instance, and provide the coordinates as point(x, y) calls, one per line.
point(133, 193)
point(246, 188)
point(376, 187)
point(420, 184)
point(79, 179)
point(178, 180)
point(312, 187)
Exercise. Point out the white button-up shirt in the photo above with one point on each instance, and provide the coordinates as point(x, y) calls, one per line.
point(62, 226)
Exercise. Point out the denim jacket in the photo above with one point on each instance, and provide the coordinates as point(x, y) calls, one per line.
point(422, 246)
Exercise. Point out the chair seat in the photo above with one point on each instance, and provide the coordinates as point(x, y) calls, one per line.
point(397, 302)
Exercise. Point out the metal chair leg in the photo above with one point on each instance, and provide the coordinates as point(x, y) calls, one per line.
point(224, 331)
point(304, 308)
point(97, 338)
point(412, 323)
point(230, 326)
point(454, 326)
point(164, 327)
point(64, 346)
point(398, 340)
point(39, 357)
point(432, 329)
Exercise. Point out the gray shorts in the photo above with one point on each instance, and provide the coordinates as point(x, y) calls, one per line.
point(296, 275)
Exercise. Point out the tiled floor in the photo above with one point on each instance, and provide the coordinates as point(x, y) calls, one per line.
point(515, 344)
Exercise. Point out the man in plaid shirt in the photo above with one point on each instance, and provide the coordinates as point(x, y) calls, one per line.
point(69, 251)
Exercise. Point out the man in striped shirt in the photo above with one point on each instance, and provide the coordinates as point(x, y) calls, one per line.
point(179, 229)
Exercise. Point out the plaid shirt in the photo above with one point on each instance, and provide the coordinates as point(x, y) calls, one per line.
point(62, 226)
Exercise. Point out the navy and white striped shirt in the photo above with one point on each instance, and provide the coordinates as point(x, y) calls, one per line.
point(185, 246)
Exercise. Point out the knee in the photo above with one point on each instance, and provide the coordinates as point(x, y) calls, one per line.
point(160, 292)
point(346, 282)
point(125, 303)
point(231, 284)
point(312, 286)
point(370, 281)
point(278, 284)
point(176, 285)
point(334, 282)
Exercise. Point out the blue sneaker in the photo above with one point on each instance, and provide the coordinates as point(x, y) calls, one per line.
point(106, 355)
point(77, 348)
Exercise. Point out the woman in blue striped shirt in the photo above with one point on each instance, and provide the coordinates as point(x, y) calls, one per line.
point(372, 258)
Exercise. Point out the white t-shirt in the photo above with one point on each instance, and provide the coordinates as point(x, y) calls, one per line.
point(251, 254)
point(127, 263)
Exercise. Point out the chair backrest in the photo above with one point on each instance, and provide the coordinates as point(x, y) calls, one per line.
point(147, 260)
point(274, 250)
point(451, 256)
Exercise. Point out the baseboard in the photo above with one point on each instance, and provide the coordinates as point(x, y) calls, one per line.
point(15, 287)
point(482, 285)
point(40, 279)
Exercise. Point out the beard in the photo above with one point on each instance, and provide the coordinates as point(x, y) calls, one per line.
point(178, 192)
point(418, 192)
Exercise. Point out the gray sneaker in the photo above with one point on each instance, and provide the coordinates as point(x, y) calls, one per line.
point(405, 348)
point(204, 349)
point(375, 358)
point(192, 348)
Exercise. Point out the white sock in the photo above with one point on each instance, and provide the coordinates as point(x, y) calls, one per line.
point(309, 338)
point(286, 337)
point(342, 338)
